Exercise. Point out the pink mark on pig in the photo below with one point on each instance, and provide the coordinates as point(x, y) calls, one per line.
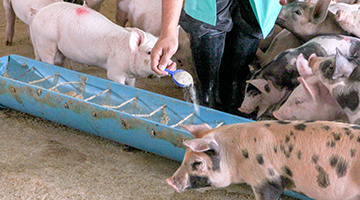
point(346, 39)
point(81, 11)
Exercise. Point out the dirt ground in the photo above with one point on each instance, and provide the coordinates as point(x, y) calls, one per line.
point(45, 160)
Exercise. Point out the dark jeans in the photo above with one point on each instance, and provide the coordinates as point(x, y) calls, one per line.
point(222, 53)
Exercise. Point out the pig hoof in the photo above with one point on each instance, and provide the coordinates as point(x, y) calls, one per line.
point(8, 43)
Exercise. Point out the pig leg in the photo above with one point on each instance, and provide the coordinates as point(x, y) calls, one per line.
point(130, 82)
point(59, 59)
point(115, 78)
point(269, 190)
point(28, 32)
point(47, 51)
point(113, 74)
point(10, 22)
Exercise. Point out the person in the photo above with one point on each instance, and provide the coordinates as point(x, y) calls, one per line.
point(221, 51)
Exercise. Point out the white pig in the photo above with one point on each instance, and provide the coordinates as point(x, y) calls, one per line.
point(349, 21)
point(307, 21)
point(311, 100)
point(148, 18)
point(335, 6)
point(94, 4)
point(86, 36)
point(320, 159)
point(21, 9)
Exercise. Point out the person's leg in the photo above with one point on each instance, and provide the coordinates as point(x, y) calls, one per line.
point(207, 46)
point(240, 49)
point(207, 52)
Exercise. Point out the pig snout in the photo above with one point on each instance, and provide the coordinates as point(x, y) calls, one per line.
point(340, 15)
point(189, 182)
point(280, 21)
point(278, 115)
point(245, 110)
point(170, 181)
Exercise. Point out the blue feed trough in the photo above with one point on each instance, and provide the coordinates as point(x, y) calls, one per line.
point(128, 115)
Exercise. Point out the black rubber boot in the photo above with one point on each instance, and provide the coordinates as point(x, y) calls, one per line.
point(239, 51)
point(207, 52)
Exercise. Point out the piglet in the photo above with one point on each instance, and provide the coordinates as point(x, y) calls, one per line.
point(148, 18)
point(318, 159)
point(349, 21)
point(306, 20)
point(21, 9)
point(335, 6)
point(86, 36)
point(272, 84)
point(310, 100)
point(341, 75)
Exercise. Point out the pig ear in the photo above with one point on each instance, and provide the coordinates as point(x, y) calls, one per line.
point(319, 11)
point(85, 4)
point(309, 88)
point(200, 144)
point(310, 62)
point(342, 66)
point(302, 66)
point(197, 130)
point(137, 38)
point(260, 84)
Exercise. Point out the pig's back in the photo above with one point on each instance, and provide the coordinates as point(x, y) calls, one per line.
point(75, 19)
point(301, 129)
point(23, 8)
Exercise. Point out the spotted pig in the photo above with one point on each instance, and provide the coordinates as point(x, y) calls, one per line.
point(341, 75)
point(318, 159)
point(273, 83)
point(310, 100)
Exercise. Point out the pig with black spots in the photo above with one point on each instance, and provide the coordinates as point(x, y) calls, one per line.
point(319, 159)
point(341, 75)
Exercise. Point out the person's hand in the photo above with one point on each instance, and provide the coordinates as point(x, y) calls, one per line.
point(283, 2)
point(161, 54)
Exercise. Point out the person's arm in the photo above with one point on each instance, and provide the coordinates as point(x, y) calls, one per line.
point(167, 44)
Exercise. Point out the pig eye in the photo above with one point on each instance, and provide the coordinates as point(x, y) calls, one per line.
point(298, 101)
point(195, 165)
point(298, 12)
point(149, 52)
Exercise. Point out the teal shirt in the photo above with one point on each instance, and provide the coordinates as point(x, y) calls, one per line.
point(266, 12)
